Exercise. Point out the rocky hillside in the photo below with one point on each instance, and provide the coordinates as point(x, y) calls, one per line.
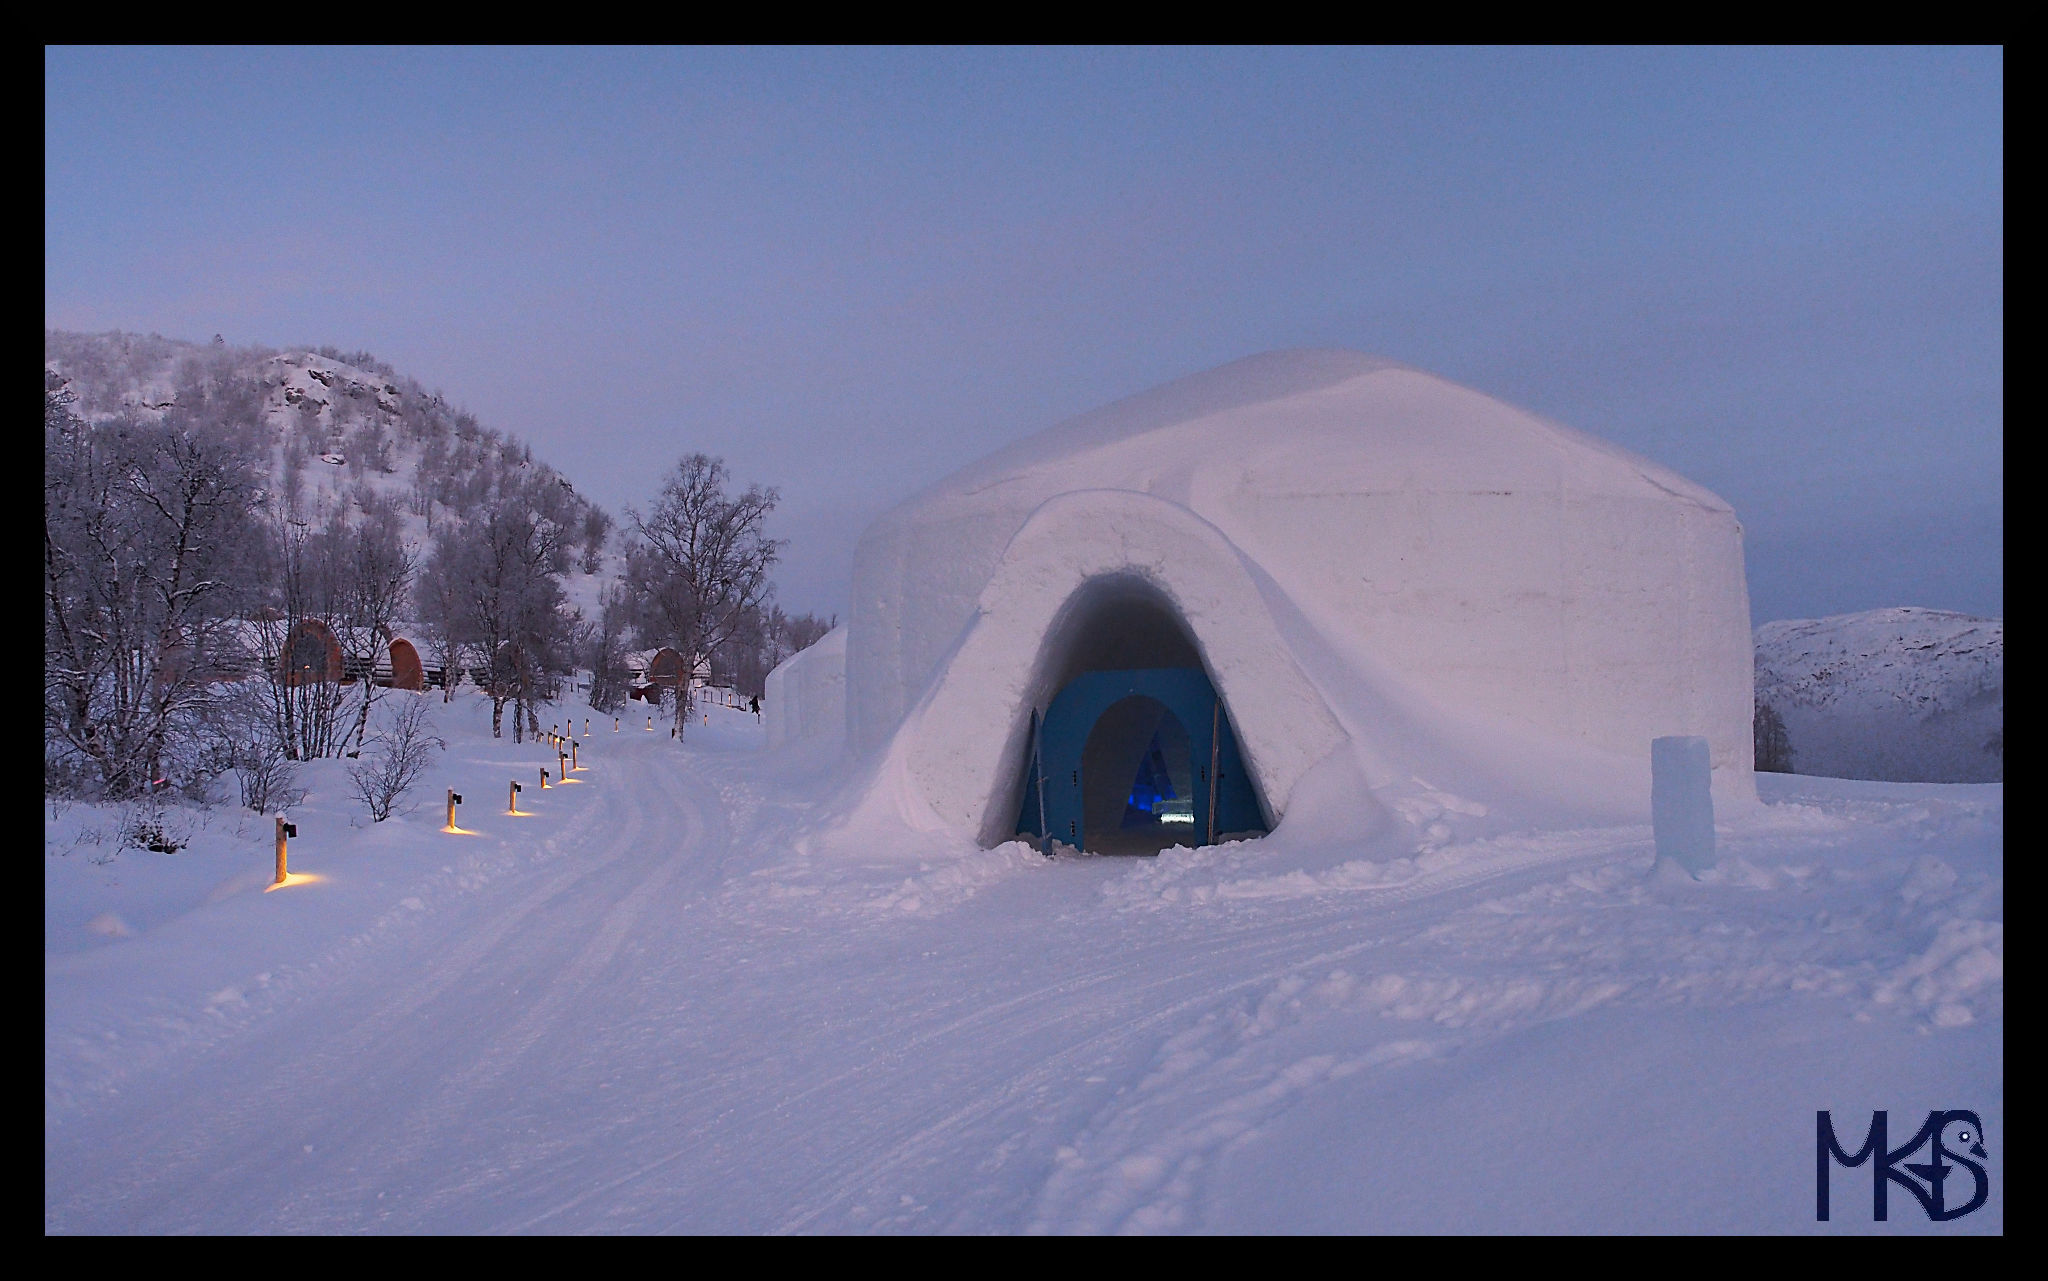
point(1905, 695)
point(339, 429)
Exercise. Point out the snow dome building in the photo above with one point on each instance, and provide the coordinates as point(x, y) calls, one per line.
point(1153, 623)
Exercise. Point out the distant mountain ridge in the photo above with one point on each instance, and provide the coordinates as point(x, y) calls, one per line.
point(1902, 695)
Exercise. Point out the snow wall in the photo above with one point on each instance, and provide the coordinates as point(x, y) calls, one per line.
point(805, 696)
point(1386, 575)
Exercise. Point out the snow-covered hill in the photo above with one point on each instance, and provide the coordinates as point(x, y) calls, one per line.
point(1905, 695)
point(343, 428)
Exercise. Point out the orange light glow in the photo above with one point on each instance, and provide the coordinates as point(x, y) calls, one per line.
point(294, 878)
point(462, 831)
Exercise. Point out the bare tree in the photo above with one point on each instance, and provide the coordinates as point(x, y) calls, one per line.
point(597, 527)
point(245, 730)
point(442, 603)
point(398, 755)
point(697, 567)
point(1773, 745)
point(299, 653)
point(605, 648)
point(372, 572)
point(142, 522)
point(501, 566)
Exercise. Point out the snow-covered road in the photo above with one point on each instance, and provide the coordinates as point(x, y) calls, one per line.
point(650, 1008)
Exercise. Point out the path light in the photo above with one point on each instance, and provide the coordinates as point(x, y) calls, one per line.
point(560, 771)
point(454, 799)
point(285, 831)
point(586, 727)
point(512, 799)
point(650, 724)
point(543, 779)
point(615, 724)
point(572, 755)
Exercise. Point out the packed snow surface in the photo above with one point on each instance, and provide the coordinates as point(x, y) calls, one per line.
point(1915, 695)
point(673, 998)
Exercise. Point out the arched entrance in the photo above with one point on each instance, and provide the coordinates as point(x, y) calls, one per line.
point(406, 669)
point(311, 654)
point(666, 669)
point(1135, 760)
point(1137, 779)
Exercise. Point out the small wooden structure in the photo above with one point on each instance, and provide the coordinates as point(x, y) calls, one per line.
point(311, 653)
point(407, 672)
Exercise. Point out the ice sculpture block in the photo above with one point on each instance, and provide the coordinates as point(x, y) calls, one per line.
point(1682, 801)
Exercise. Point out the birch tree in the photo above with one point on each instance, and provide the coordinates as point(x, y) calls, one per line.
point(697, 564)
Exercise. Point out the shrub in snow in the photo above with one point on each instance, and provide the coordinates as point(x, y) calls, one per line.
point(266, 777)
point(149, 824)
point(245, 727)
point(396, 758)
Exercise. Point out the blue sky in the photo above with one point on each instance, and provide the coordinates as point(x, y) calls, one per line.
point(1780, 272)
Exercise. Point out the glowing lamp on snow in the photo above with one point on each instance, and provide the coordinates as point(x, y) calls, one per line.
point(454, 799)
point(543, 780)
point(512, 799)
point(285, 832)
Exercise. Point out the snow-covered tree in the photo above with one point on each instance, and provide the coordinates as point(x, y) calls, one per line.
point(144, 524)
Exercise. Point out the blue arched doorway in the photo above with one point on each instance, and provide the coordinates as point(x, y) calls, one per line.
point(1135, 760)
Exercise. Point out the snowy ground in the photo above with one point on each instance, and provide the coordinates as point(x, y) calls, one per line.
point(661, 1004)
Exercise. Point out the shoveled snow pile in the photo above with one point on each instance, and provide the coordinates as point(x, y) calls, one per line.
point(1912, 695)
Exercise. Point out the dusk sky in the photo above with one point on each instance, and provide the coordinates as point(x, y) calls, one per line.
point(849, 272)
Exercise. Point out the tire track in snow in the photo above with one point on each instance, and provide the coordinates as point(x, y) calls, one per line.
point(1275, 947)
point(496, 1056)
point(1220, 978)
point(376, 1050)
point(708, 851)
point(703, 837)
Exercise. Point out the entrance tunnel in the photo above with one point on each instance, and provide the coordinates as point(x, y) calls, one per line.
point(1135, 752)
